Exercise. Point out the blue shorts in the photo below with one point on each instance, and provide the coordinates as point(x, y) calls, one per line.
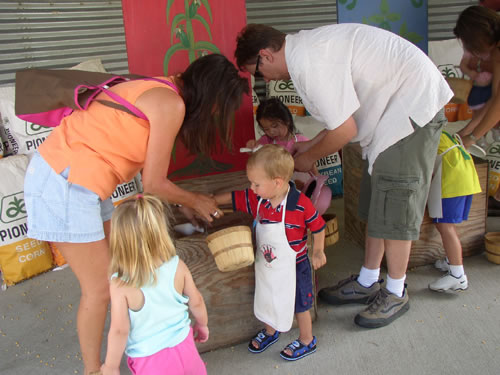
point(59, 211)
point(304, 295)
point(478, 96)
point(455, 210)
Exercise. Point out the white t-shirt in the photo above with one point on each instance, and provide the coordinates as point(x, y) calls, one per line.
point(374, 75)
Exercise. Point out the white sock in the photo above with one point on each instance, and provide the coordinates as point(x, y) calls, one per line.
point(395, 286)
point(367, 277)
point(457, 271)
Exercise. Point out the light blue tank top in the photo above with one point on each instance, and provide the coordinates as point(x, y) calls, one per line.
point(163, 321)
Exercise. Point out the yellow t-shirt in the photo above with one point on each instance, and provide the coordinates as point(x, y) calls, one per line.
point(459, 176)
point(102, 146)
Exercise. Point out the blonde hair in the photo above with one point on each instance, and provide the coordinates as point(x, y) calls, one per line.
point(139, 240)
point(275, 160)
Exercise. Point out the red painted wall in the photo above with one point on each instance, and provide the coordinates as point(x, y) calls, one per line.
point(150, 35)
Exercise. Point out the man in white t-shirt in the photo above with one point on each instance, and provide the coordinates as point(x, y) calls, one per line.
point(370, 86)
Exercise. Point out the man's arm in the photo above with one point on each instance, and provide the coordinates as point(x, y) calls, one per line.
point(327, 142)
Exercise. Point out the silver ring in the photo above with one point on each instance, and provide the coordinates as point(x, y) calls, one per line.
point(215, 213)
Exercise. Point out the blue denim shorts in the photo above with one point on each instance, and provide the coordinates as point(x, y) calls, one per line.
point(60, 211)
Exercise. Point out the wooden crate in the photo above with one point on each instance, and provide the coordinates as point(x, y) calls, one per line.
point(428, 247)
point(229, 295)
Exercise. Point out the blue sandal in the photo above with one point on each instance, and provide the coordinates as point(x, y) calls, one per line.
point(299, 350)
point(264, 340)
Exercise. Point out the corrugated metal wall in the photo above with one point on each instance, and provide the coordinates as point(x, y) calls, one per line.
point(60, 34)
point(443, 15)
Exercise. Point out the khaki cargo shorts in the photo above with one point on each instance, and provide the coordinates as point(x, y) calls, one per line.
point(392, 200)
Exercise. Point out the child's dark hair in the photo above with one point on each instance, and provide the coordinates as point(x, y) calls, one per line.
point(274, 109)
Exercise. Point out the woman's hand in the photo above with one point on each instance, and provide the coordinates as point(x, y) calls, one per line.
point(206, 207)
point(190, 214)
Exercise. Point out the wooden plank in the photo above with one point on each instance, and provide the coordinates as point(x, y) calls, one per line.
point(429, 246)
point(228, 295)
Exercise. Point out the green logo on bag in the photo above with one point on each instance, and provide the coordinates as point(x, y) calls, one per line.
point(12, 208)
point(34, 129)
point(284, 86)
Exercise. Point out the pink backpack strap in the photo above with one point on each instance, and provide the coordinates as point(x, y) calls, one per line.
point(103, 87)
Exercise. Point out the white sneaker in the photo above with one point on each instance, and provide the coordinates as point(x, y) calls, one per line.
point(448, 282)
point(442, 264)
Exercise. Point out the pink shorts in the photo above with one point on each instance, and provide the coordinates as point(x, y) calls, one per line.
point(178, 360)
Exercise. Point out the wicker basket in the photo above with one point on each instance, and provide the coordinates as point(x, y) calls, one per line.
point(232, 248)
point(332, 229)
point(492, 243)
point(461, 88)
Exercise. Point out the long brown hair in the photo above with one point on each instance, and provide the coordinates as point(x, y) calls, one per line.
point(212, 91)
point(478, 28)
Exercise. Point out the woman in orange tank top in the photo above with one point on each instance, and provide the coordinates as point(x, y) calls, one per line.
point(70, 179)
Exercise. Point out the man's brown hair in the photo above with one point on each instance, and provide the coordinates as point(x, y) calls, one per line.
point(254, 37)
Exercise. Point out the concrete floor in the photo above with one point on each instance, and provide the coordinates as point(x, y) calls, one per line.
point(442, 333)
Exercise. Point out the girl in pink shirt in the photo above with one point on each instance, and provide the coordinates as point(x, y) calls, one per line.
point(276, 121)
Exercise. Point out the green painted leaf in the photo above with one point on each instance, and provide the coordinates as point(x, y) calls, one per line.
point(417, 3)
point(191, 55)
point(209, 11)
point(403, 29)
point(393, 17)
point(384, 7)
point(376, 18)
point(206, 45)
point(168, 55)
point(169, 5)
point(352, 5)
point(414, 37)
point(204, 23)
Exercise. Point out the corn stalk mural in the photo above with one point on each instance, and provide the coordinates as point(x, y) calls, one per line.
point(182, 28)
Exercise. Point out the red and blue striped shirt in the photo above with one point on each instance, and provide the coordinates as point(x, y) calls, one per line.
point(300, 216)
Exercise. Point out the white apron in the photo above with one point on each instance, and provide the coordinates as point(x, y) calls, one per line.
point(275, 280)
point(434, 203)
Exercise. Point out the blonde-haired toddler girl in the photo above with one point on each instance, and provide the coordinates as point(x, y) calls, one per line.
point(151, 291)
